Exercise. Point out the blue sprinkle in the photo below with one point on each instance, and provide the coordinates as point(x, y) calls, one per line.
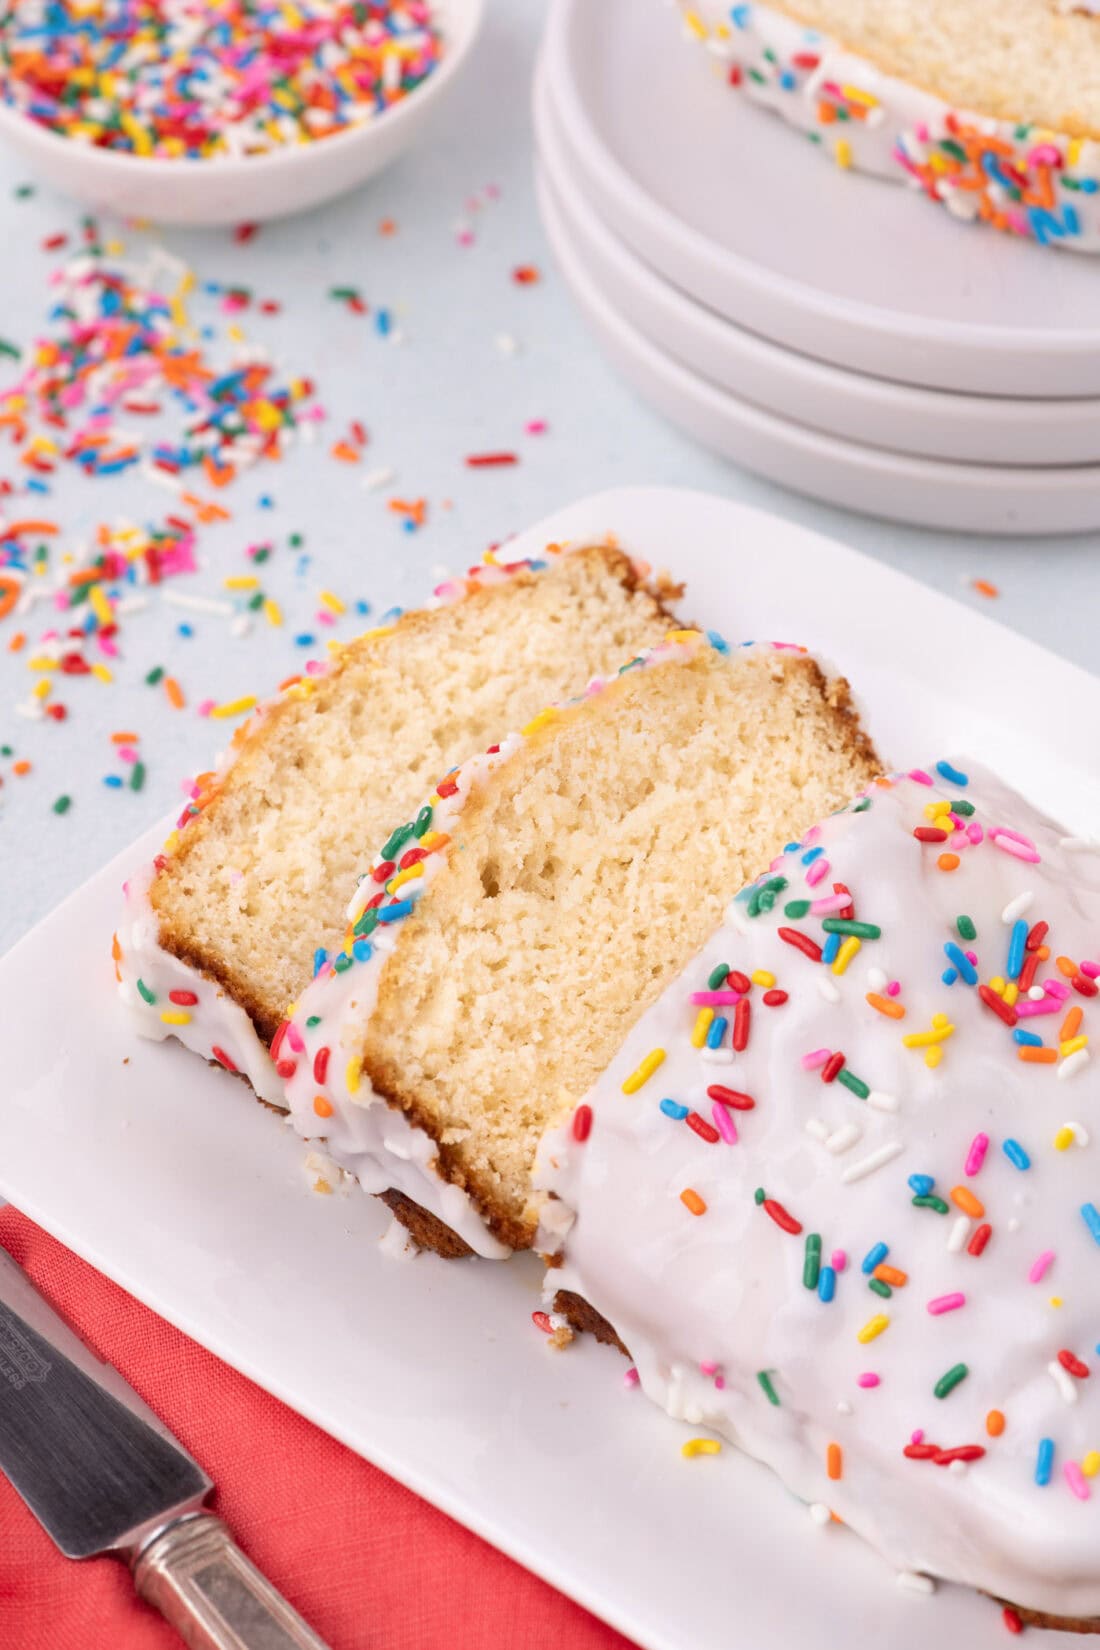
point(1044, 1461)
point(1029, 1039)
point(362, 608)
point(811, 854)
point(382, 321)
point(740, 16)
point(320, 958)
point(921, 1184)
point(1016, 943)
point(949, 976)
point(394, 913)
point(791, 847)
point(952, 775)
point(787, 81)
point(673, 1109)
point(1018, 1157)
point(1072, 221)
point(718, 643)
point(361, 950)
point(875, 1257)
point(304, 640)
point(717, 1031)
point(1090, 1214)
point(826, 1283)
point(1088, 186)
point(962, 962)
point(830, 949)
point(266, 502)
point(113, 780)
point(185, 629)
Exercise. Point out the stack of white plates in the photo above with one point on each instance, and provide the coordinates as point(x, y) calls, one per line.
point(834, 333)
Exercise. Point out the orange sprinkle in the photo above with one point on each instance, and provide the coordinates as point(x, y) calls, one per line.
point(1065, 966)
point(322, 1106)
point(691, 1200)
point(1043, 953)
point(9, 595)
point(116, 948)
point(948, 862)
point(85, 575)
point(345, 452)
point(125, 738)
point(834, 1461)
point(886, 1005)
point(963, 1198)
point(174, 692)
point(984, 588)
point(387, 227)
point(1070, 1025)
point(21, 767)
point(30, 526)
point(994, 1423)
point(19, 640)
point(891, 1275)
point(1038, 1056)
point(287, 682)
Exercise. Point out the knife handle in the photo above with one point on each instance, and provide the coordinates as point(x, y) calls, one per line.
point(203, 1585)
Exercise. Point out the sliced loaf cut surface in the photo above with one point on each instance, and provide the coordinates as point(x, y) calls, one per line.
point(559, 897)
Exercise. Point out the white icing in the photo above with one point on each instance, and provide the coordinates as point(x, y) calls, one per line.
point(894, 130)
point(723, 1291)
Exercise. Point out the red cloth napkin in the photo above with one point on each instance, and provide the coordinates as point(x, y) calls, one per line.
point(369, 1565)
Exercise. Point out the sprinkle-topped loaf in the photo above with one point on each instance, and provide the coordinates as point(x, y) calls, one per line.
point(838, 1191)
point(220, 934)
point(508, 931)
point(991, 107)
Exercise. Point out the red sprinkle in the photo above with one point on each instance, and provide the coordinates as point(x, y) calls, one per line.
point(980, 1239)
point(541, 1321)
point(730, 1097)
point(962, 1452)
point(1000, 1008)
point(1028, 972)
point(846, 912)
point(320, 1065)
point(705, 1130)
point(1081, 982)
point(929, 833)
point(412, 857)
point(741, 1025)
point(1011, 1619)
point(832, 1068)
point(582, 1123)
point(781, 1217)
point(286, 1068)
point(277, 1040)
point(1036, 936)
point(245, 231)
point(801, 942)
point(184, 999)
point(383, 872)
point(738, 981)
point(447, 787)
point(1073, 1364)
point(486, 461)
point(921, 1452)
point(774, 998)
point(222, 1058)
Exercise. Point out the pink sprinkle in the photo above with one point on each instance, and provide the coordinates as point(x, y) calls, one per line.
point(1044, 154)
point(946, 1303)
point(720, 1382)
point(975, 1157)
point(536, 426)
point(714, 999)
point(819, 869)
point(810, 1062)
point(920, 776)
point(631, 1378)
point(1028, 1009)
point(1041, 1267)
point(708, 1367)
point(811, 836)
point(917, 1437)
point(1075, 1478)
point(1010, 842)
point(838, 1260)
point(724, 1123)
point(868, 1378)
point(315, 667)
point(127, 753)
point(972, 957)
point(1056, 988)
point(974, 832)
point(295, 1039)
point(1090, 970)
point(205, 707)
point(893, 988)
point(832, 902)
point(323, 616)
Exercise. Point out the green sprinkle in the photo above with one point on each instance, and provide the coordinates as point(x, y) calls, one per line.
point(811, 1266)
point(24, 191)
point(844, 925)
point(63, 804)
point(862, 805)
point(796, 909)
point(759, 1195)
point(966, 928)
point(947, 1383)
point(314, 1020)
point(963, 809)
point(256, 601)
point(423, 821)
point(880, 1288)
point(950, 147)
point(137, 776)
point(296, 540)
point(769, 1391)
point(366, 925)
point(343, 293)
point(717, 977)
point(7, 750)
point(342, 963)
point(262, 554)
point(397, 841)
point(931, 1202)
point(11, 350)
point(856, 1084)
point(144, 992)
point(154, 676)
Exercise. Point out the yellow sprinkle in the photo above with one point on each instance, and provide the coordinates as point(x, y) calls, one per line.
point(41, 661)
point(241, 581)
point(997, 984)
point(695, 25)
point(763, 977)
point(843, 153)
point(701, 1027)
point(1063, 1139)
point(379, 630)
point(41, 690)
point(101, 673)
point(934, 809)
point(1055, 1300)
point(933, 1056)
point(683, 636)
point(873, 1328)
point(542, 720)
point(941, 1020)
point(1012, 992)
point(868, 101)
point(1071, 1046)
point(321, 1185)
point(644, 1071)
point(1073, 155)
point(333, 603)
point(273, 613)
point(433, 839)
point(846, 953)
point(700, 1446)
point(404, 876)
point(353, 1072)
point(100, 606)
point(176, 1017)
point(1090, 1464)
point(235, 707)
point(925, 1039)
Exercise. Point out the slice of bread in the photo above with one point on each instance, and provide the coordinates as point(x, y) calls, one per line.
point(258, 877)
point(992, 107)
point(507, 936)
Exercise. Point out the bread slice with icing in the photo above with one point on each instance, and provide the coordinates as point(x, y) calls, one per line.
point(992, 107)
point(509, 931)
point(865, 1247)
point(220, 934)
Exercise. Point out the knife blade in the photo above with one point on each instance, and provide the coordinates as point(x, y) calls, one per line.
point(103, 1475)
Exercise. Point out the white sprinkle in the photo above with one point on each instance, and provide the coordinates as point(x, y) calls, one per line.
point(377, 478)
point(819, 1130)
point(1014, 1224)
point(843, 1139)
point(881, 1101)
point(1064, 1381)
point(911, 1581)
point(1078, 1130)
point(197, 604)
point(819, 1514)
point(31, 710)
point(1016, 907)
point(877, 978)
point(717, 1056)
point(867, 1165)
point(1036, 993)
point(843, 1407)
point(1080, 844)
point(958, 1235)
point(162, 478)
point(131, 604)
point(241, 625)
point(1072, 1064)
point(506, 344)
point(827, 989)
point(958, 1468)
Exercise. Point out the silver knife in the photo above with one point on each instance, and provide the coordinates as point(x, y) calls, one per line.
point(102, 1474)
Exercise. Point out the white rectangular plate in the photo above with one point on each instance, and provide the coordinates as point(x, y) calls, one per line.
point(163, 1174)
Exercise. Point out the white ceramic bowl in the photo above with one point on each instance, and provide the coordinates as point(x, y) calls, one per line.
point(262, 186)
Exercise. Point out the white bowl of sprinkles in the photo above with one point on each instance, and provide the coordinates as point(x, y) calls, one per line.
point(223, 128)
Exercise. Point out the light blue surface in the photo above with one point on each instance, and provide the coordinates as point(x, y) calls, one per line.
point(446, 390)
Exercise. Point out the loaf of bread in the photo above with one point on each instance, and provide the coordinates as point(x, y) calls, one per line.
point(508, 932)
point(992, 107)
point(864, 1246)
point(221, 933)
